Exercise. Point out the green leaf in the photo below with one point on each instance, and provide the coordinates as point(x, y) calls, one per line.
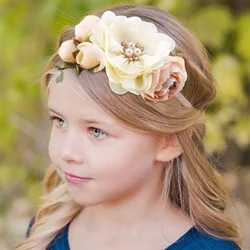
point(60, 77)
point(180, 55)
point(76, 42)
point(68, 64)
point(54, 65)
point(86, 39)
point(75, 53)
point(78, 69)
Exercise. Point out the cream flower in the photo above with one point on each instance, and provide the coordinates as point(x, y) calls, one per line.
point(84, 28)
point(66, 51)
point(89, 56)
point(133, 49)
point(168, 80)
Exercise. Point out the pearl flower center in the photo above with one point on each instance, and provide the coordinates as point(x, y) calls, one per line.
point(132, 51)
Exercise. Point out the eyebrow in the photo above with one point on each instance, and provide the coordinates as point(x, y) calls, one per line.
point(87, 121)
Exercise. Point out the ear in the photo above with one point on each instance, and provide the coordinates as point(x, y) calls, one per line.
point(168, 148)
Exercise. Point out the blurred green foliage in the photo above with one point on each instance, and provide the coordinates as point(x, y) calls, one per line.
point(28, 32)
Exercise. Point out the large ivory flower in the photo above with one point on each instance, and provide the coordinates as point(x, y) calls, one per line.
point(133, 49)
point(168, 80)
point(66, 51)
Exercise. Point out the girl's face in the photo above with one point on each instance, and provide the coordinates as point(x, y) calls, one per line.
point(87, 142)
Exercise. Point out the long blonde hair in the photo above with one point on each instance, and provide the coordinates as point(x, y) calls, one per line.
point(192, 183)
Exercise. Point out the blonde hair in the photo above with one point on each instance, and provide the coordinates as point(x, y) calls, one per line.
point(191, 183)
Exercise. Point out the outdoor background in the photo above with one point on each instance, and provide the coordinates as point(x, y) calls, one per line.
point(28, 34)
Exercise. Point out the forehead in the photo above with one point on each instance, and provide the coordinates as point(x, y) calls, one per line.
point(67, 96)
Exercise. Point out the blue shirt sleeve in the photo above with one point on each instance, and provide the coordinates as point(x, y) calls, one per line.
point(29, 227)
point(195, 240)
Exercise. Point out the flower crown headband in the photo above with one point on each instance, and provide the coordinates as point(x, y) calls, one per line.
point(135, 56)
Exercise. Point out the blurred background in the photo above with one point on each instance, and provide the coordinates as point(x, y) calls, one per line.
point(29, 31)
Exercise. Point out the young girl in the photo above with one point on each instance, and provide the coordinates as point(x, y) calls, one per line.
point(127, 90)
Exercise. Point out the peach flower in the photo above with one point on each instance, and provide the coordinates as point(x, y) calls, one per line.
point(168, 80)
point(89, 55)
point(84, 28)
point(66, 51)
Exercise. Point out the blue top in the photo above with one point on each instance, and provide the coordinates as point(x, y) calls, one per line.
point(191, 240)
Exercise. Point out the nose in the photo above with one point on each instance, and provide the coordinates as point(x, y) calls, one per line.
point(71, 150)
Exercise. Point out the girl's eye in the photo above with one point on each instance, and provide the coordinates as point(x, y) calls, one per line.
point(98, 133)
point(59, 122)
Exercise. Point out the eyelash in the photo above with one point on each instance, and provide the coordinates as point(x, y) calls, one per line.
point(53, 118)
point(91, 128)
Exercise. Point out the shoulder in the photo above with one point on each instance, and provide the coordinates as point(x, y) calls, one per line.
point(59, 242)
point(198, 240)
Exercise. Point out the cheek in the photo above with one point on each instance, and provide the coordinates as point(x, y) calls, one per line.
point(124, 163)
point(54, 148)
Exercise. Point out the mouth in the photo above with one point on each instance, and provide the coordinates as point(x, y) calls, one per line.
point(74, 179)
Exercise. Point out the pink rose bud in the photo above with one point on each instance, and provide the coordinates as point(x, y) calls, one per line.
point(86, 57)
point(84, 28)
point(66, 51)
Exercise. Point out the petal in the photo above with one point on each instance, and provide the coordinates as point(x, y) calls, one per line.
point(100, 55)
point(137, 85)
point(124, 67)
point(111, 73)
point(157, 84)
point(117, 88)
point(86, 56)
point(164, 75)
point(108, 17)
point(98, 52)
point(115, 46)
point(133, 23)
point(149, 27)
point(99, 34)
point(79, 57)
point(84, 28)
point(142, 37)
point(100, 67)
point(66, 51)
point(164, 44)
point(120, 32)
point(97, 39)
point(151, 62)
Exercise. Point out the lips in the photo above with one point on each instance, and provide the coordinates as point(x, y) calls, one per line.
point(74, 179)
point(76, 176)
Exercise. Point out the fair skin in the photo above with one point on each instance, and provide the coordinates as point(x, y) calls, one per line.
point(122, 201)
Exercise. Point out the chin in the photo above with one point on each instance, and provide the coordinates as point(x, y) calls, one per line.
point(86, 201)
point(92, 196)
point(83, 198)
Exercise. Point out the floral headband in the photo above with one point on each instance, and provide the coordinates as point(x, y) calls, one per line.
point(135, 56)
